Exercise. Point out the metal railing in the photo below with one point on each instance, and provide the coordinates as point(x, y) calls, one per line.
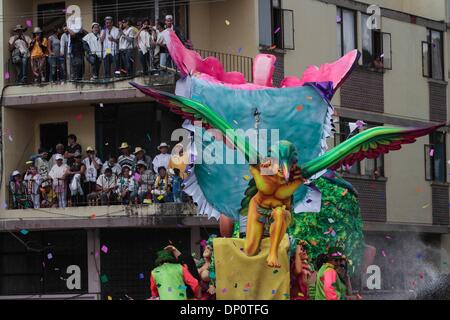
point(231, 62)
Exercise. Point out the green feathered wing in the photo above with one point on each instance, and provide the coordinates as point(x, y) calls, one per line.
point(369, 144)
point(196, 111)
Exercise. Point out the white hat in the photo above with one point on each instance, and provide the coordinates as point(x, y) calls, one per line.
point(59, 157)
point(15, 173)
point(169, 17)
point(163, 145)
point(94, 24)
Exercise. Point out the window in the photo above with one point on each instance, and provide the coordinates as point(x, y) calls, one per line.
point(140, 10)
point(376, 46)
point(432, 55)
point(280, 32)
point(32, 271)
point(368, 167)
point(346, 30)
point(50, 16)
point(435, 158)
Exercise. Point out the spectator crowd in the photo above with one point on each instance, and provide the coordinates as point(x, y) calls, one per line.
point(61, 55)
point(67, 179)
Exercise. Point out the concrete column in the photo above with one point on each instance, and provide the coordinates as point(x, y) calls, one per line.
point(156, 10)
point(445, 254)
point(195, 237)
point(93, 252)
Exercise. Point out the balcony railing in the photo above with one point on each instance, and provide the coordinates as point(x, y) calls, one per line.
point(231, 62)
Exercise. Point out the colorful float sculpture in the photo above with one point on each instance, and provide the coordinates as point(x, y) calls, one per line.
point(301, 196)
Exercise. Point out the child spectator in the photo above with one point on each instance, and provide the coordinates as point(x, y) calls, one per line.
point(43, 166)
point(126, 190)
point(19, 191)
point(33, 181)
point(93, 167)
point(39, 51)
point(161, 187)
point(176, 183)
point(144, 179)
point(58, 174)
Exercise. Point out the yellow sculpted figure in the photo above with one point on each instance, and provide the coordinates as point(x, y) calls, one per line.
point(276, 181)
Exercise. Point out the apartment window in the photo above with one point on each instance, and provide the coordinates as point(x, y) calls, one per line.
point(140, 10)
point(432, 55)
point(435, 158)
point(36, 263)
point(280, 31)
point(376, 46)
point(367, 167)
point(346, 30)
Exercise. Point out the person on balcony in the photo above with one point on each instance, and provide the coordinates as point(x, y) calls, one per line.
point(76, 180)
point(19, 192)
point(144, 39)
point(161, 188)
point(126, 190)
point(93, 166)
point(33, 181)
point(39, 51)
point(110, 40)
point(43, 166)
point(54, 55)
point(19, 47)
point(126, 46)
point(126, 159)
point(106, 189)
point(163, 158)
point(140, 155)
point(58, 174)
point(72, 147)
point(144, 179)
point(112, 164)
point(66, 73)
point(77, 53)
point(59, 150)
point(161, 51)
point(176, 183)
point(93, 47)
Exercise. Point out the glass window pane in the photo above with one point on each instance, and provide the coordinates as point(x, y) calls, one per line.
point(367, 41)
point(339, 31)
point(436, 55)
point(349, 30)
point(265, 28)
point(426, 59)
point(439, 157)
point(387, 51)
point(288, 29)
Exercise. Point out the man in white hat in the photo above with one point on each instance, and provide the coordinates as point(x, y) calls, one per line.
point(140, 155)
point(162, 159)
point(93, 46)
point(171, 26)
point(126, 159)
point(20, 53)
point(59, 173)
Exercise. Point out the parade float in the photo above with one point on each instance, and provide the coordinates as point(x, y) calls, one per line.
point(286, 189)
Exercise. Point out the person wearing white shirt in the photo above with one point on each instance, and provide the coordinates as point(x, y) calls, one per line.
point(127, 187)
point(144, 42)
point(59, 150)
point(33, 181)
point(106, 188)
point(58, 174)
point(20, 53)
point(113, 165)
point(161, 50)
point(65, 54)
point(93, 47)
point(110, 39)
point(126, 45)
point(162, 159)
point(93, 167)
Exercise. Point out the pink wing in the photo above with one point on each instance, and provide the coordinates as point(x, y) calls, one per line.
point(335, 72)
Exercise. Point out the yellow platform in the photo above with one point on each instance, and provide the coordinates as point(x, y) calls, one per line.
point(239, 277)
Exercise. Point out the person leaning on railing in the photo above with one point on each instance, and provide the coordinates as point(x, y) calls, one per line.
point(93, 47)
point(39, 51)
point(59, 173)
point(18, 189)
point(20, 53)
point(106, 189)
